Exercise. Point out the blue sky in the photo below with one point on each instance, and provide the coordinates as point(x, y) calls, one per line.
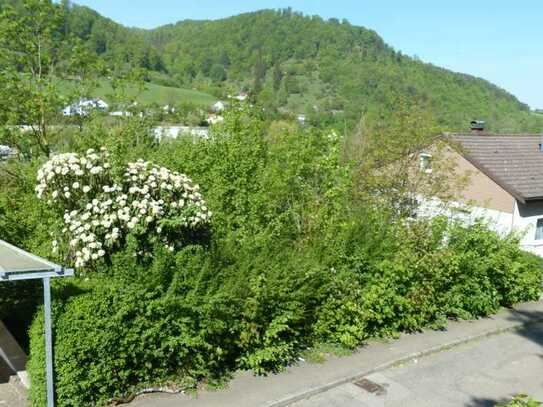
point(499, 40)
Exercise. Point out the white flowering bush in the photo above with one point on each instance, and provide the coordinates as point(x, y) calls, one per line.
point(103, 204)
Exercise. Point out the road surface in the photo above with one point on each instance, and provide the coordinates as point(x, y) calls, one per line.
point(477, 374)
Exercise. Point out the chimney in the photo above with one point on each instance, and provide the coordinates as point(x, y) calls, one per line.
point(477, 126)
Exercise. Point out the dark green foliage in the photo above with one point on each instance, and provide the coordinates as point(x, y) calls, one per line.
point(277, 76)
point(331, 60)
point(123, 335)
point(323, 61)
point(259, 73)
point(438, 271)
point(178, 319)
point(292, 260)
point(110, 41)
point(218, 74)
point(197, 314)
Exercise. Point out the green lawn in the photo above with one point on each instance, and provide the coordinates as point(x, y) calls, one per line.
point(161, 95)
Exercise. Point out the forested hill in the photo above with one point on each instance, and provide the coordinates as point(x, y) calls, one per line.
point(113, 43)
point(304, 62)
point(329, 70)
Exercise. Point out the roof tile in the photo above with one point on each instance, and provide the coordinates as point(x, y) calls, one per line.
point(513, 161)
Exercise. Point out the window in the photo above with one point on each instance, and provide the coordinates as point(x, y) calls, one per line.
point(425, 162)
point(539, 229)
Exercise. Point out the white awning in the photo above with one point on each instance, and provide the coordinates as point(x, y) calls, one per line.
point(17, 264)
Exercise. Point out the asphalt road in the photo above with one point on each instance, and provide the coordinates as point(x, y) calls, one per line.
point(477, 374)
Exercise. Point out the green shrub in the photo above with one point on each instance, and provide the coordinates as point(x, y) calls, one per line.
point(291, 259)
point(123, 335)
point(437, 271)
point(521, 400)
point(180, 318)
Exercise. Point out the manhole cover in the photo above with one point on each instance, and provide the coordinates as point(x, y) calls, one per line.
point(371, 387)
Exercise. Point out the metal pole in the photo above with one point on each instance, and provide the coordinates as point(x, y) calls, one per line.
point(48, 341)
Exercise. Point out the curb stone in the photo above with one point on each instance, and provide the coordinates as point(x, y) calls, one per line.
point(285, 402)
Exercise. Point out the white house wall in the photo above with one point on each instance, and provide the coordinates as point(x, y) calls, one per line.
point(499, 221)
point(523, 220)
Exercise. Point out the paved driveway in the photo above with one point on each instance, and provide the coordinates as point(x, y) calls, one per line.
point(478, 374)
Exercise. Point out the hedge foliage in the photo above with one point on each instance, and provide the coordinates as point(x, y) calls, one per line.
point(292, 260)
point(191, 315)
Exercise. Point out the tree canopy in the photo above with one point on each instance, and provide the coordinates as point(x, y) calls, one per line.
point(330, 70)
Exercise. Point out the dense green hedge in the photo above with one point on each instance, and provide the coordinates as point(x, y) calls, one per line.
point(438, 271)
point(292, 260)
point(191, 315)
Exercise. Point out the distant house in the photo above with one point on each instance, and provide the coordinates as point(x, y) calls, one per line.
point(242, 96)
point(218, 107)
point(301, 119)
point(168, 109)
point(505, 181)
point(7, 152)
point(174, 132)
point(120, 113)
point(84, 107)
point(214, 119)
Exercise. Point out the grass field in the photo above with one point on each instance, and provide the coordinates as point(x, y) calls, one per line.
point(159, 94)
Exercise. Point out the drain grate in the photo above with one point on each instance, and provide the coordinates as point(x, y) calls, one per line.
point(371, 387)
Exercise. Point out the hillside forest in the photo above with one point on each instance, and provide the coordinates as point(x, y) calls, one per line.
point(263, 243)
point(329, 70)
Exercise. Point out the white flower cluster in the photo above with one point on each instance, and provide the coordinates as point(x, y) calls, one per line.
point(83, 172)
point(157, 192)
point(100, 211)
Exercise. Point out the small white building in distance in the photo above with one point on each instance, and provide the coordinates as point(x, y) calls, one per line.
point(218, 106)
point(121, 113)
point(214, 118)
point(174, 132)
point(242, 96)
point(7, 152)
point(168, 109)
point(84, 107)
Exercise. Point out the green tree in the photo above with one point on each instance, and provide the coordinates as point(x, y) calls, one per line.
point(277, 76)
point(387, 158)
point(36, 56)
point(218, 73)
point(291, 83)
point(259, 73)
point(224, 59)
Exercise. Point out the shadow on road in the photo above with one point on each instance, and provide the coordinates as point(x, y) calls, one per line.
point(531, 330)
point(485, 402)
